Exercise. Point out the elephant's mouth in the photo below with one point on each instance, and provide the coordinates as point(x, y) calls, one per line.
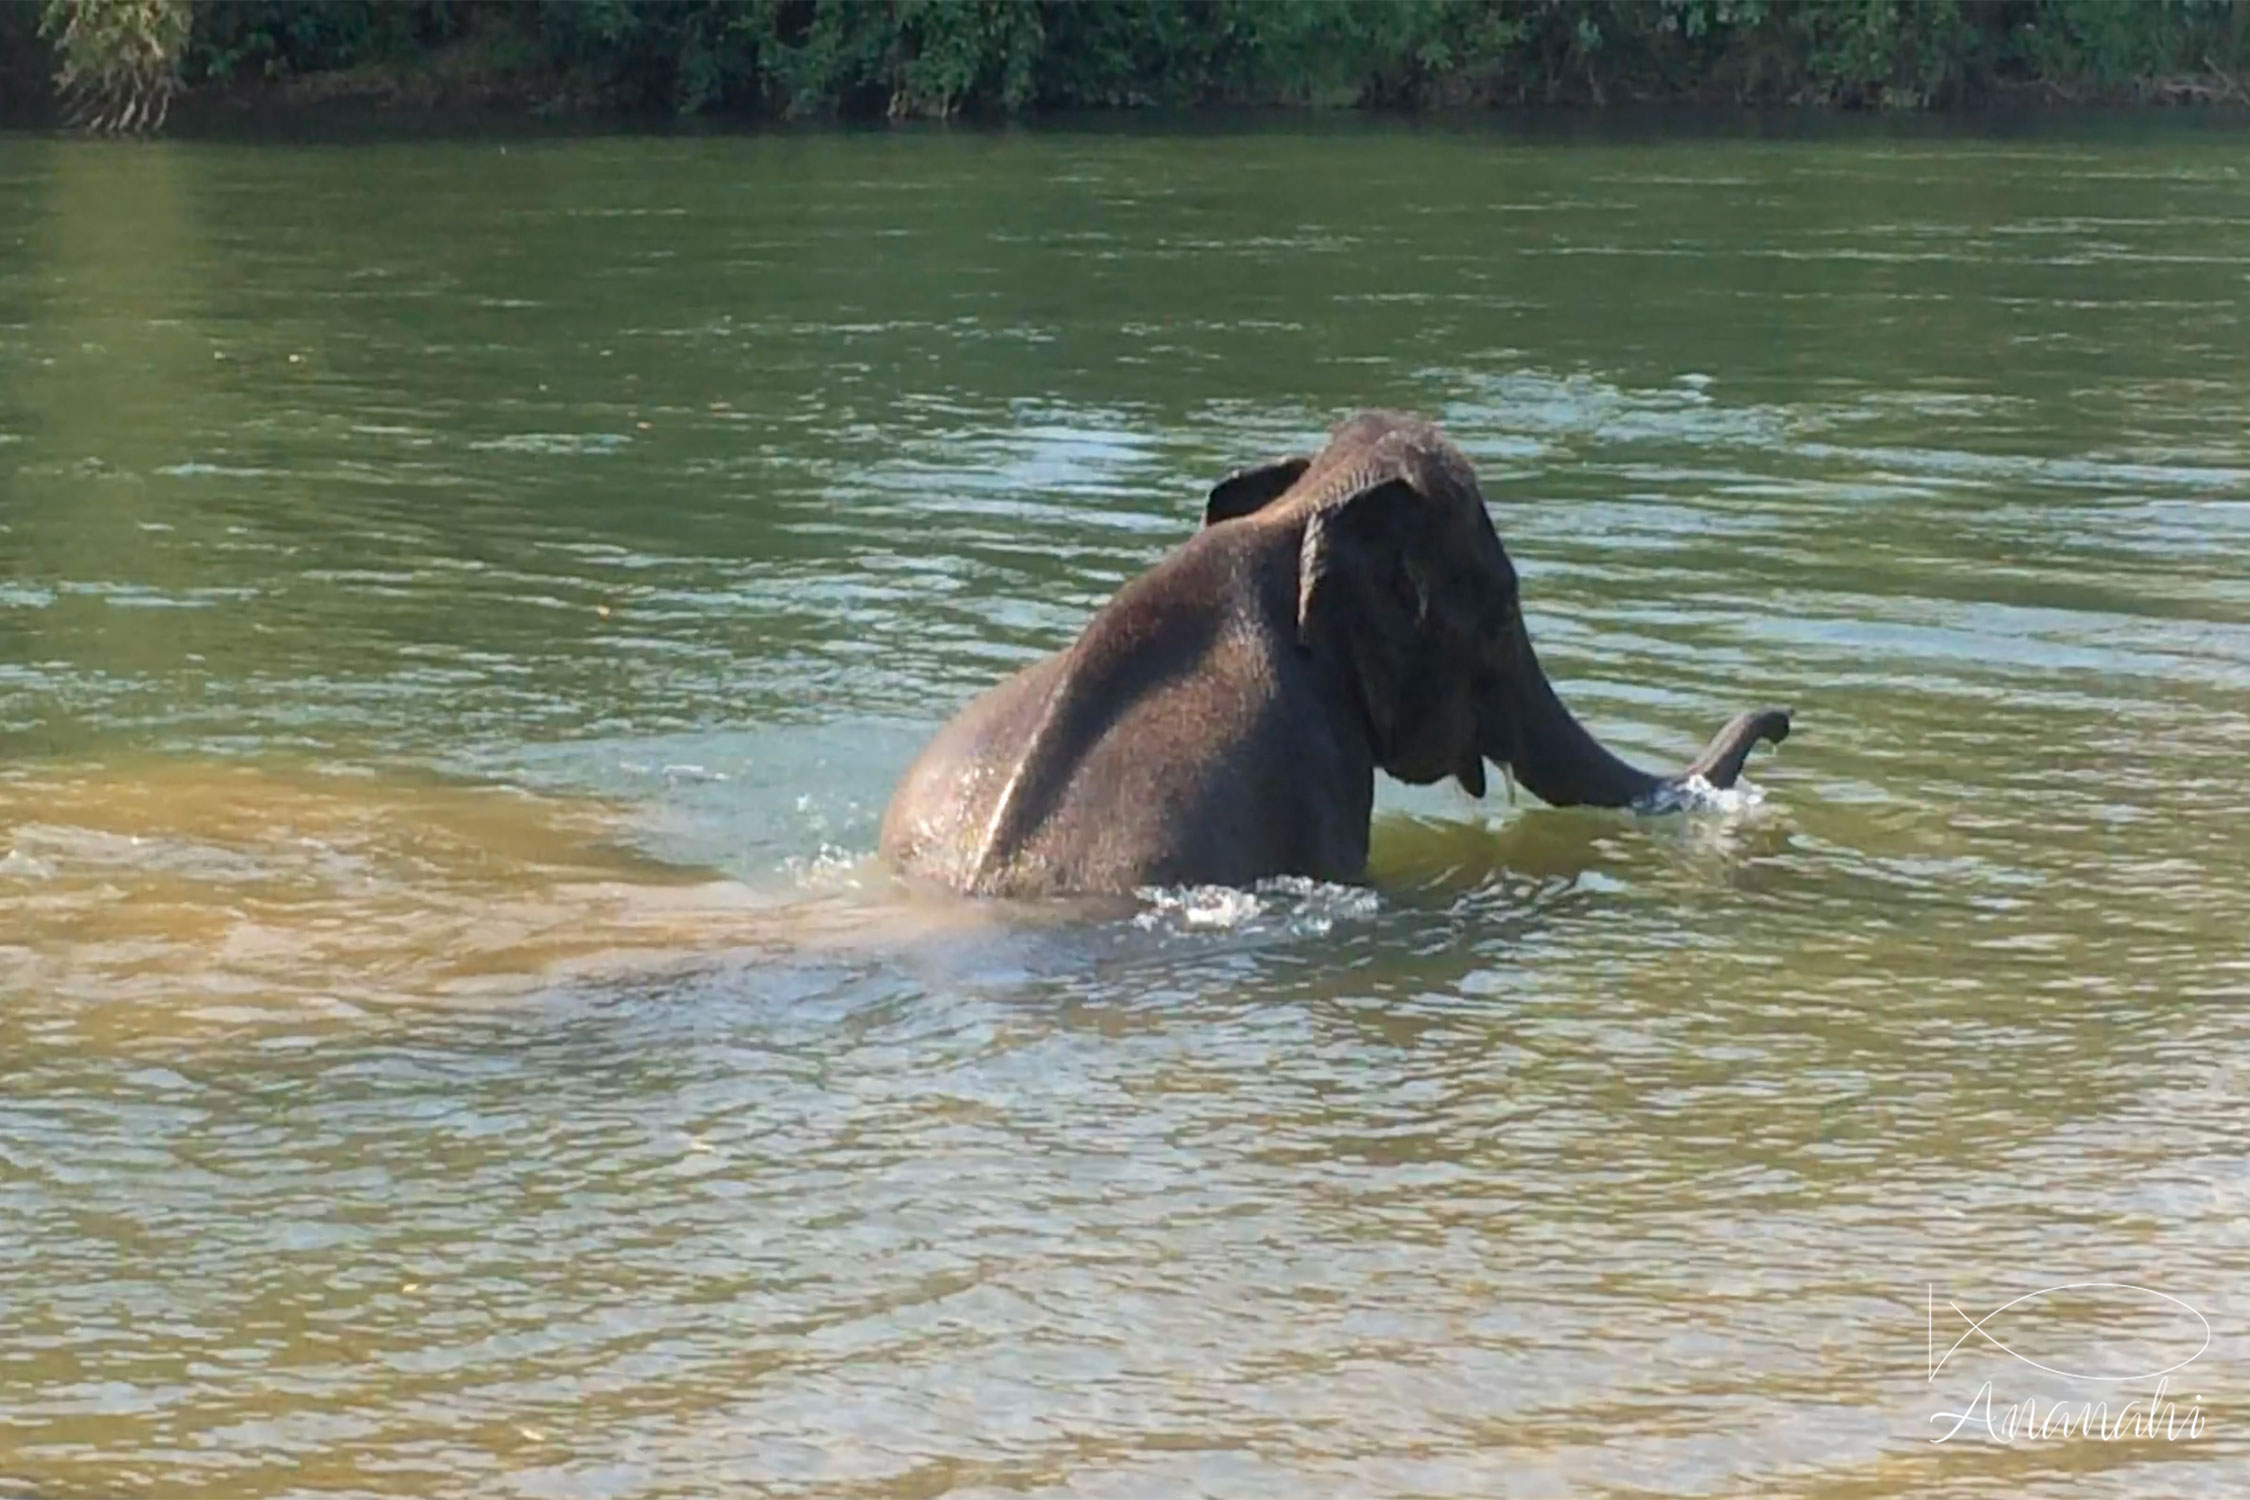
point(1525, 728)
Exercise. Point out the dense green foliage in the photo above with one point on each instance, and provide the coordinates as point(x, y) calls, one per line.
point(117, 61)
point(942, 57)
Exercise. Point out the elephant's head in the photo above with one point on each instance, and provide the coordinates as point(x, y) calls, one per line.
point(1401, 577)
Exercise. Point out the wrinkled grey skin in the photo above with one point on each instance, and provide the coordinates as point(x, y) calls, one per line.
point(1222, 718)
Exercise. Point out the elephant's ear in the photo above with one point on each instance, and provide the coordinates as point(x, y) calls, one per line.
point(1369, 585)
point(1353, 586)
point(1246, 490)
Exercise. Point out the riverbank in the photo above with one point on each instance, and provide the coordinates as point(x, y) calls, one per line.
point(124, 63)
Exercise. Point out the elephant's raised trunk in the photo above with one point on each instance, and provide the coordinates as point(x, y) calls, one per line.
point(1562, 764)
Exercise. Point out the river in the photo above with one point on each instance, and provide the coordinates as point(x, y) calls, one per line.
point(464, 602)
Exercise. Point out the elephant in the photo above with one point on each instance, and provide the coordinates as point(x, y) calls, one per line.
point(1221, 719)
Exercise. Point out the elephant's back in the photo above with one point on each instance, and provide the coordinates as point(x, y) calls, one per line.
point(1186, 736)
point(941, 812)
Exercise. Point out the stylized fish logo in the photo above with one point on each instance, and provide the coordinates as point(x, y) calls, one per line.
point(1977, 1327)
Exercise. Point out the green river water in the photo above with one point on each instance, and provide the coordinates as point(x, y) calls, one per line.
point(463, 604)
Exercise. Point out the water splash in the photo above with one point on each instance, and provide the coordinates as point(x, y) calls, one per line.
point(1290, 904)
point(1698, 795)
point(830, 868)
point(1728, 822)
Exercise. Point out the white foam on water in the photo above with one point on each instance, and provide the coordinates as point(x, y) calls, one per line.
point(17, 865)
point(1697, 795)
point(1290, 903)
point(830, 868)
point(1719, 820)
